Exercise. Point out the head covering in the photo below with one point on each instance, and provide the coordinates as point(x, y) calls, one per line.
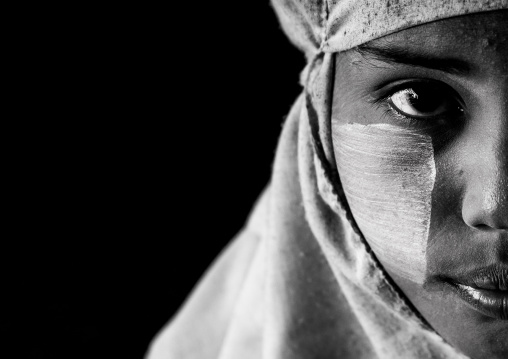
point(300, 281)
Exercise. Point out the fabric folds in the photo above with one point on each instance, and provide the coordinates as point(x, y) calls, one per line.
point(337, 25)
point(300, 281)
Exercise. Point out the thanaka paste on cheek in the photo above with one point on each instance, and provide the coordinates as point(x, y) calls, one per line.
point(388, 174)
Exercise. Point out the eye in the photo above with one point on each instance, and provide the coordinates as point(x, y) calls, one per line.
point(422, 101)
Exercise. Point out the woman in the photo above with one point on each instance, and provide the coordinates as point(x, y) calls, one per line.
point(384, 230)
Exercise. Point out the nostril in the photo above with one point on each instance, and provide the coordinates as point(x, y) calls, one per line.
point(485, 219)
point(482, 227)
point(485, 206)
point(487, 226)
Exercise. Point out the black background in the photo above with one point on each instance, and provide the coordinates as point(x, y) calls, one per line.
point(153, 135)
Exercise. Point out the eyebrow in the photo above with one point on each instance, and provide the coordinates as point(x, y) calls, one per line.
point(403, 56)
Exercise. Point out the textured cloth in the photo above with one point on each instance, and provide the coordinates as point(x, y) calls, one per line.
point(337, 25)
point(300, 281)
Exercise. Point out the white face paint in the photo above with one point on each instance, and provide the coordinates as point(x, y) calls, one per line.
point(388, 174)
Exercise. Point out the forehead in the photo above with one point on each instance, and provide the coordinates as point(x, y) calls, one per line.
point(473, 35)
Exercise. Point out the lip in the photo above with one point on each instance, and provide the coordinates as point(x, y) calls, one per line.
point(485, 290)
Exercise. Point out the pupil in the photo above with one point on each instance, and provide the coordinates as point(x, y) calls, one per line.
point(423, 100)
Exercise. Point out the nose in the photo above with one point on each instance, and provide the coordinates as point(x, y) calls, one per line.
point(487, 208)
point(485, 205)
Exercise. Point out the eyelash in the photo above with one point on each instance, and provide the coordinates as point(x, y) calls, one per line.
point(383, 101)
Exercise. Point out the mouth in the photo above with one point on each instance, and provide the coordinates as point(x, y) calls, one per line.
point(485, 290)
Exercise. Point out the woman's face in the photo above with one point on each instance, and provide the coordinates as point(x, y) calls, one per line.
point(420, 135)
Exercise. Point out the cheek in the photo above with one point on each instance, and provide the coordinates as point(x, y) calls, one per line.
point(388, 175)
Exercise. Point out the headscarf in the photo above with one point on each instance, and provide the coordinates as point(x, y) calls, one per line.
point(300, 281)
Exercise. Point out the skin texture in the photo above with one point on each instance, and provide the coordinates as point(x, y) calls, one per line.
point(469, 201)
point(396, 220)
